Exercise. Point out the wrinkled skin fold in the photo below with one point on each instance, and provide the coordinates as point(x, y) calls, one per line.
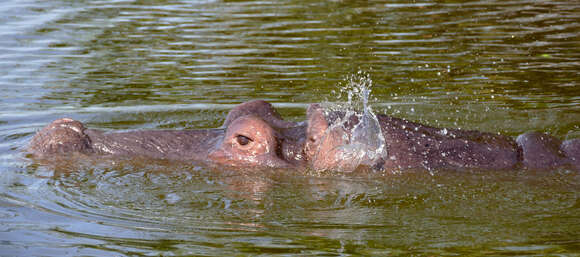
point(254, 135)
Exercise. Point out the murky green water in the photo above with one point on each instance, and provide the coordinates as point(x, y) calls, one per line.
point(496, 66)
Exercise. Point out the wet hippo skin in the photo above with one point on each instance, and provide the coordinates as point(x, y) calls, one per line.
point(254, 135)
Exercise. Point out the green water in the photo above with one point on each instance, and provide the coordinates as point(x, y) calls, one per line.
point(496, 66)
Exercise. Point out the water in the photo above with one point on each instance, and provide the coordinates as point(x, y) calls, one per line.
point(364, 143)
point(507, 67)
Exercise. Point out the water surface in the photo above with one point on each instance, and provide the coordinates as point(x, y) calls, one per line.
point(496, 66)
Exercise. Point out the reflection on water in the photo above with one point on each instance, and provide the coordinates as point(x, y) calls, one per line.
point(496, 66)
point(169, 209)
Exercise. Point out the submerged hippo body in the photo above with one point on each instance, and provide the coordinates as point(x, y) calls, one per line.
point(254, 135)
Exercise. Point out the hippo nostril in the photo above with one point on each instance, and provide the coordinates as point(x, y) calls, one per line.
point(243, 140)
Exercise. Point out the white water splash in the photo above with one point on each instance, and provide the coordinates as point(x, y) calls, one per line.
point(366, 144)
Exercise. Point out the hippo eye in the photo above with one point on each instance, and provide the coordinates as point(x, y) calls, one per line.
point(243, 140)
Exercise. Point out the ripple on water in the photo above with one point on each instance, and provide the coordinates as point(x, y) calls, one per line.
point(493, 66)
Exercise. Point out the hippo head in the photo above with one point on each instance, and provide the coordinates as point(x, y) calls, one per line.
point(322, 147)
point(250, 141)
point(256, 136)
point(339, 141)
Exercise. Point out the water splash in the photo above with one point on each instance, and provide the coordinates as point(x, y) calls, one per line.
point(366, 143)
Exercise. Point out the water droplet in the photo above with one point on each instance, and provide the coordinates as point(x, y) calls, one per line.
point(366, 144)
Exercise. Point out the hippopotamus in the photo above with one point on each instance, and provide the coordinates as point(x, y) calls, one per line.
point(254, 135)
